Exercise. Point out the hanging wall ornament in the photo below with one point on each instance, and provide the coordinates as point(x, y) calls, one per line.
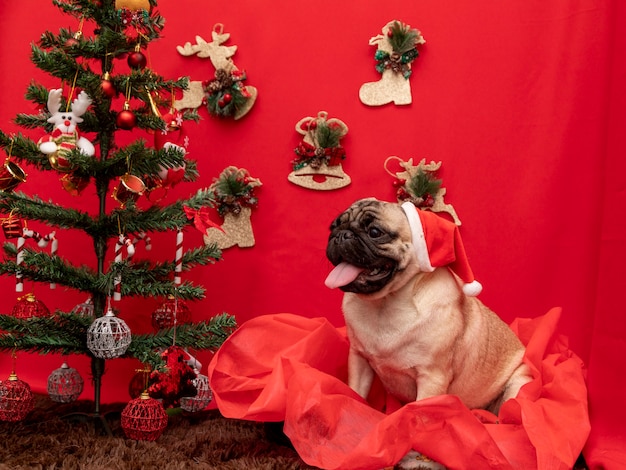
point(419, 184)
point(235, 194)
point(172, 312)
point(203, 396)
point(108, 336)
point(16, 399)
point(65, 137)
point(396, 49)
point(29, 306)
point(225, 95)
point(144, 418)
point(318, 157)
point(65, 384)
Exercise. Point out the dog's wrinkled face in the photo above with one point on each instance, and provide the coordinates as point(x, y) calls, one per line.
point(370, 246)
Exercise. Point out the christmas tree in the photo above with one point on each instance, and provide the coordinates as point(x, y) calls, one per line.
point(93, 70)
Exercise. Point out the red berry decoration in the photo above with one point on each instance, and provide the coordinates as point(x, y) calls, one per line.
point(228, 98)
point(126, 119)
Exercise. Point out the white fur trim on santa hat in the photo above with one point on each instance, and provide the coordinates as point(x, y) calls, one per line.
point(418, 238)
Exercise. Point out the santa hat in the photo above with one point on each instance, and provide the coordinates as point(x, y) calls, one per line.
point(438, 243)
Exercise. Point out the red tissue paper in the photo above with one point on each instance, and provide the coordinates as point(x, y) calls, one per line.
point(289, 368)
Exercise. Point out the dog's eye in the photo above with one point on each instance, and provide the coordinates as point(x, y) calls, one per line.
point(374, 232)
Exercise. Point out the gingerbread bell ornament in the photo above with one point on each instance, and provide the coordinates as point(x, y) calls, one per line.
point(318, 157)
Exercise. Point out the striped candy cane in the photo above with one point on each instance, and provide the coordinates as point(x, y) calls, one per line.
point(130, 251)
point(54, 247)
point(19, 283)
point(145, 237)
point(179, 257)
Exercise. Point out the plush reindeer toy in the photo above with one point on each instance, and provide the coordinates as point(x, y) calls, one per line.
point(65, 137)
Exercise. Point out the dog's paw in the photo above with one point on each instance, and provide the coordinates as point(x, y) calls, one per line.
point(415, 460)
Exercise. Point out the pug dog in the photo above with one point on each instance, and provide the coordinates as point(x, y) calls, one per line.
point(416, 328)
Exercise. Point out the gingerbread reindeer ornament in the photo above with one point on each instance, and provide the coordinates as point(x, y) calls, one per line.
point(226, 95)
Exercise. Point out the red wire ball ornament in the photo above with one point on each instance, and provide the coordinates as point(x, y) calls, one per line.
point(144, 419)
point(172, 311)
point(28, 306)
point(201, 399)
point(108, 337)
point(16, 399)
point(65, 384)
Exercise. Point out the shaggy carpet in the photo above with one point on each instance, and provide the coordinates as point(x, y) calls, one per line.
point(57, 436)
point(49, 439)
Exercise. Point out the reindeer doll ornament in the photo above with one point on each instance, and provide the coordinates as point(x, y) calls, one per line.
point(65, 137)
point(318, 157)
point(226, 95)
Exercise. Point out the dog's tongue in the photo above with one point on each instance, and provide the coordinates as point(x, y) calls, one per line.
point(342, 275)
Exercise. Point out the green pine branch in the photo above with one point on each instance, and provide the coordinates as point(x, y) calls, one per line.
point(207, 335)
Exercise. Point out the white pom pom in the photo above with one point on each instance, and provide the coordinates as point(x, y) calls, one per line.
point(472, 289)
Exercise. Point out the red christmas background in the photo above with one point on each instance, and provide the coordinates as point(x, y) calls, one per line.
point(522, 101)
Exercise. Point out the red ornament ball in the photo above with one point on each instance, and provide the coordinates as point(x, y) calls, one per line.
point(28, 306)
point(126, 119)
point(71, 42)
point(16, 399)
point(144, 419)
point(137, 60)
point(107, 86)
point(172, 311)
point(65, 384)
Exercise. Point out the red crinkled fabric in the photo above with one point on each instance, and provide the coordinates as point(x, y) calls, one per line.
point(289, 368)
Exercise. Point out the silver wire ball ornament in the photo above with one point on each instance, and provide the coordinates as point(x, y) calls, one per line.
point(202, 398)
point(108, 336)
point(65, 384)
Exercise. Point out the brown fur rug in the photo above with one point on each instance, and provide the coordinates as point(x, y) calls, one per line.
point(49, 439)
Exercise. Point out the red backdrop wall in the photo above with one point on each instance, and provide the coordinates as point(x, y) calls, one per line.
point(522, 101)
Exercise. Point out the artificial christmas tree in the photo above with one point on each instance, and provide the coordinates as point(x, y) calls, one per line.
point(81, 123)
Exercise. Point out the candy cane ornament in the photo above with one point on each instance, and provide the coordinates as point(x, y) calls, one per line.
point(122, 241)
point(143, 236)
point(42, 242)
point(51, 240)
point(19, 283)
point(179, 257)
